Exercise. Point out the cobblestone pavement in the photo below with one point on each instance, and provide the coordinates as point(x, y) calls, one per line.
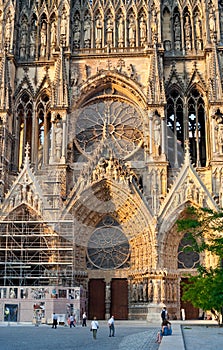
point(203, 337)
point(127, 337)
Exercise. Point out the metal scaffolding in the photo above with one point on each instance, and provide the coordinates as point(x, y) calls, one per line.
point(35, 252)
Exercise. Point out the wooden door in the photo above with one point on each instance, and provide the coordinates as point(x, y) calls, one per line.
point(96, 299)
point(119, 299)
point(191, 312)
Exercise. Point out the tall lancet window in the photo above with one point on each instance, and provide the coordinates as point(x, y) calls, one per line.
point(175, 130)
point(196, 128)
point(43, 131)
point(24, 125)
point(186, 120)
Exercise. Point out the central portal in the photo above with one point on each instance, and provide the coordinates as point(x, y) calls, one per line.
point(118, 299)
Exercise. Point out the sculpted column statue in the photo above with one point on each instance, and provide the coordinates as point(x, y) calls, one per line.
point(98, 32)
point(155, 291)
point(76, 33)
point(32, 40)
point(121, 32)
point(177, 33)
point(132, 31)
point(43, 41)
point(63, 28)
point(143, 31)
point(8, 33)
point(109, 31)
point(198, 33)
point(53, 35)
point(150, 291)
point(157, 136)
point(87, 31)
point(187, 27)
point(58, 141)
point(23, 40)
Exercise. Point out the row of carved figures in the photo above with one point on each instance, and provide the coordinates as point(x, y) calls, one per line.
point(153, 291)
point(40, 39)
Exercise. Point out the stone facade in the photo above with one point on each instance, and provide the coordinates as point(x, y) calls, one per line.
point(111, 123)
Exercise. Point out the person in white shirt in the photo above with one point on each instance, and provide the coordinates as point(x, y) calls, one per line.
point(111, 325)
point(71, 319)
point(84, 320)
point(94, 327)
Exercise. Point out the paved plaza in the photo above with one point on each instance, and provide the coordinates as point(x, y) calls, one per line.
point(134, 336)
point(203, 337)
point(130, 335)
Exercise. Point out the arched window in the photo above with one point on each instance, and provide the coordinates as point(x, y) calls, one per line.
point(196, 128)
point(108, 247)
point(186, 121)
point(24, 124)
point(175, 131)
point(188, 258)
point(43, 131)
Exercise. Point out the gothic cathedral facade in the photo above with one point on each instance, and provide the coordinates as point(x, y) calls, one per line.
point(111, 124)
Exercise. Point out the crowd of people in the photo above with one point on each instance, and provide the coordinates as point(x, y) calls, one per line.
point(94, 326)
point(94, 323)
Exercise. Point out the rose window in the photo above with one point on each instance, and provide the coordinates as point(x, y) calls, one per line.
point(188, 258)
point(108, 248)
point(117, 125)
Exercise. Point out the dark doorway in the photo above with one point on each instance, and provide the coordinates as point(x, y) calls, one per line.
point(191, 312)
point(119, 299)
point(96, 306)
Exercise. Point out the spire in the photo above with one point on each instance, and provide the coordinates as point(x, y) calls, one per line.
point(4, 83)
point(155, 83)
point(216, 75)
point(60, 89)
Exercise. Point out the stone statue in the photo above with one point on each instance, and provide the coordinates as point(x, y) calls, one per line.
point(197, 27)
point(109, 30)
point(143, 30)
point(120, 32)
point(177, 29)
point(32, 43)
point(150, 291)
point(187, 27)
point(8, 32)
point(77, 33)
point(157, 138)
point(145, 288)
point(58, 140)
point(212, 22)
point(98, 32)
point(87, 31)
point(63, 24)
point(43, 40)
point(54, 34)
point(23, 40)
point(132, 30)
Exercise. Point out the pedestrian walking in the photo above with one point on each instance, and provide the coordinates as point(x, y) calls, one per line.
point(71, 319)
point(54, 321)
point(94, 327)
point(84, 320)
point(111, 325)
